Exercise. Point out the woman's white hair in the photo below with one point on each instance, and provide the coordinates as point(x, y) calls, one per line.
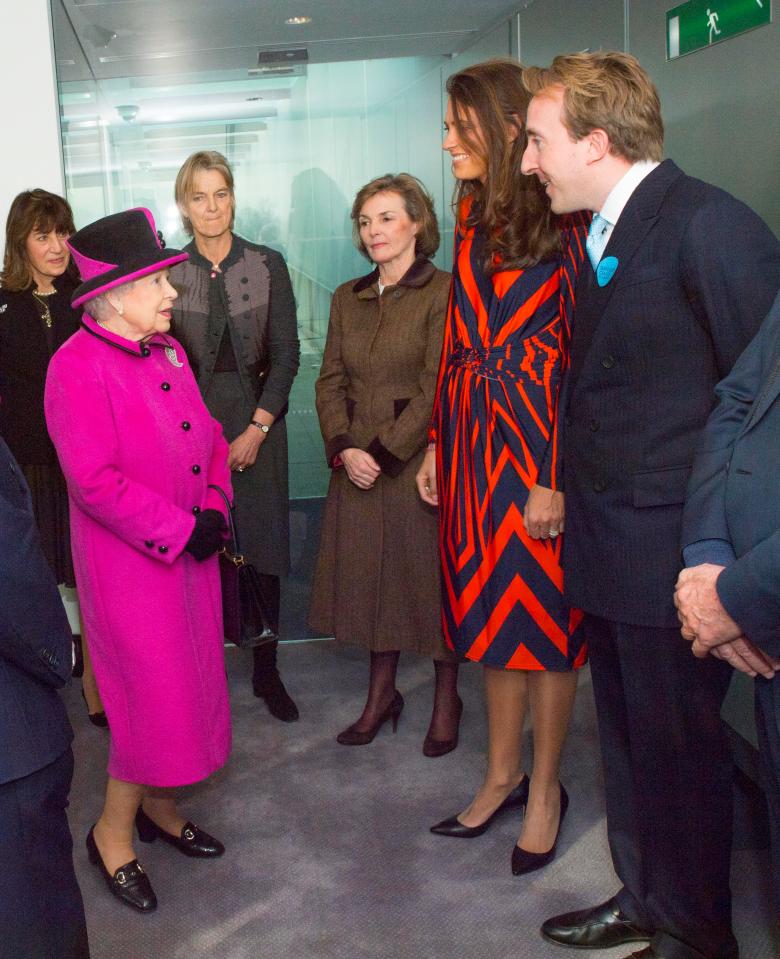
point(100, 307)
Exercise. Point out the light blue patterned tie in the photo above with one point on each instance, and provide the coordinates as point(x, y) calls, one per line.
point(597, 239)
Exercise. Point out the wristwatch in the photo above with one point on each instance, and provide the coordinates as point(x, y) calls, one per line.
point(263, 427)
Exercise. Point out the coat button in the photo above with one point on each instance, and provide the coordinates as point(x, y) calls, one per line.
point(148, 543)
point(608, 362)
point(196, 510)
point(196, 469)
point(599, 486)
point(593, 426)
point(245, 296)
point(165, 387)
point(244, 279)
point(185, 426)
point(162, 549)
point(397, 294)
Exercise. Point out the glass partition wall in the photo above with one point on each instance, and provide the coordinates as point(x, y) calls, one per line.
point(300, 146)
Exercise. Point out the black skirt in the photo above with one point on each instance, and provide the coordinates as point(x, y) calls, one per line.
point(50, 506)
point(260, 493)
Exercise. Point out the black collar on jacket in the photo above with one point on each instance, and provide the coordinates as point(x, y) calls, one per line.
point(419, 274)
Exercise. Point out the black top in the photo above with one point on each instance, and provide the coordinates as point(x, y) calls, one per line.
point(26, 346)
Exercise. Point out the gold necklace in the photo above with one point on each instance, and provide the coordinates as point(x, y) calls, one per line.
point(40, 299)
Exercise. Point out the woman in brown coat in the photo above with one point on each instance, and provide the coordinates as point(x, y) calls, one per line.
point(377, 582)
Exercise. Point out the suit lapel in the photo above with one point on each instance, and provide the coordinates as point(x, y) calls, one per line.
point(637, 219)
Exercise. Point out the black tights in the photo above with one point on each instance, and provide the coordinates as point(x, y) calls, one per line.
point(381, 689)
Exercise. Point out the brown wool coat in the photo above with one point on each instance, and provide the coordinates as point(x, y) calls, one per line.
point(376, 583)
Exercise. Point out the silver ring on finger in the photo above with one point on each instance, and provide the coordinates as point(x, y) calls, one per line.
point(553, 533)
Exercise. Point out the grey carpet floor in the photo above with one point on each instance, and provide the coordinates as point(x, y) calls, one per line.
point(328, 850)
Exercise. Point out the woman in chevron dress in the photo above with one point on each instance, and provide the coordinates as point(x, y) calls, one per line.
point(492, 465)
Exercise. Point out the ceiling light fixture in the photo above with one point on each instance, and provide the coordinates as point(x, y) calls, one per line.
point(297, 21)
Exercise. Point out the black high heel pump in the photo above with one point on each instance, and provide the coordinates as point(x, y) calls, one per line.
point(356, 737)
point(454, 828)
point(97, 719)
point(524, 861)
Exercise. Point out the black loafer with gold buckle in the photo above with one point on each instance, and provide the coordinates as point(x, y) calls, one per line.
point(192, 841)
point(129, 883)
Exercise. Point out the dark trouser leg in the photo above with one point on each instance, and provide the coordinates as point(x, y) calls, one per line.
point(266, 681)
point(668, 773)
point(768, 727)
point(41, 910)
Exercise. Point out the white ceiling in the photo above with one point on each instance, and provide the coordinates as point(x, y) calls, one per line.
point(104, 39)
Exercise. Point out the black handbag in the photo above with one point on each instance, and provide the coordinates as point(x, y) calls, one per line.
point(249, 615)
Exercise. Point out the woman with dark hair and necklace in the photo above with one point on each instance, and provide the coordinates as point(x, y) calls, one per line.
point(35, 320)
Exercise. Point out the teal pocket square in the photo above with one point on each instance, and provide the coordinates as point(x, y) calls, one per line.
point(606, 270)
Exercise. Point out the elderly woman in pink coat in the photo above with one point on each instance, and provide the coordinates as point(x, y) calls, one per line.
point(139, 451)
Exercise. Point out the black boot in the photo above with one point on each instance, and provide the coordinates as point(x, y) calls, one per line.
point(267, 683)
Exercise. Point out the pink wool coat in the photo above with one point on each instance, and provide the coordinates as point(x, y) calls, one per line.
point(138, 449)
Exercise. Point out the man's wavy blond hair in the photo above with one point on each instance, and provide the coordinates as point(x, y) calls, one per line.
point(606, 91)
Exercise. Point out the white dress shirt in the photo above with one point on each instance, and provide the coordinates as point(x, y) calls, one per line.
point(621, 192)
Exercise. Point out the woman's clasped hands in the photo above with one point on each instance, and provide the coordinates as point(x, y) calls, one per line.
point(361, 467)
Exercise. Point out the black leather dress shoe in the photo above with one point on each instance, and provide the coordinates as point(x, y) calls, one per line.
point(599, 927)
point(192, 841)
point(129, 883)
point(279, 702)
point(455, 828)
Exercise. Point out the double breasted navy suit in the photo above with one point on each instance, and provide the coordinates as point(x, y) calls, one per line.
point(41, 912)
point(697, 272)
point(733, 497)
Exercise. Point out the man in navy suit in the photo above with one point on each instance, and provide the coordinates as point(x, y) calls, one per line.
point(41, 911)
point(729, 597)
point(682, 275)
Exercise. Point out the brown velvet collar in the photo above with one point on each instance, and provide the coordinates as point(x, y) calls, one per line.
point(419, 274)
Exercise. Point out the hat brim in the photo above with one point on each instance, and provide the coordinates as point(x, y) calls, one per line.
point(126, 273)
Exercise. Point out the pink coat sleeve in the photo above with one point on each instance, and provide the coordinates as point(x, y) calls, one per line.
point(81, 426)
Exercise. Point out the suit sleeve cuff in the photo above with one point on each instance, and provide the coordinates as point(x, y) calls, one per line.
point(388, 463)
point(717, 551)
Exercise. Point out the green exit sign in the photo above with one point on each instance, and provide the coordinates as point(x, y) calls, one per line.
point(701, 23)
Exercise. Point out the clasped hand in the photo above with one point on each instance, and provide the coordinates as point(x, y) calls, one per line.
point(362, 469)
point(707, 624)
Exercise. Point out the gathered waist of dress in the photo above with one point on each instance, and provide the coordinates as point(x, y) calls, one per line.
point(494, 363)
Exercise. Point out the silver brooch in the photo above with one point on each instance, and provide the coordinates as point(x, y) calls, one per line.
point(3, 308)
point(173, 359)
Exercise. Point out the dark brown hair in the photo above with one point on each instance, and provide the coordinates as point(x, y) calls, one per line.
point(418, 204)
point(606, 91)
point(31, 210)
point(512, 210)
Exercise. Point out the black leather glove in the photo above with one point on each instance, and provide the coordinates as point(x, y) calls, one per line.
point(207, 535)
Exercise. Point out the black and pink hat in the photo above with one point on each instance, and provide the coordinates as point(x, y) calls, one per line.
point(117, 249)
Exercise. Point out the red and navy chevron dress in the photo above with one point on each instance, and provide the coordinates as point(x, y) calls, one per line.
point(494, 419)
